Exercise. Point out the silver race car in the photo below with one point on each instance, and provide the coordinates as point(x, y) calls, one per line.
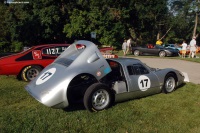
point(82, 74)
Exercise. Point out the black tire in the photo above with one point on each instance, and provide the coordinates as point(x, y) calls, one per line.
point(30, 72)
point(19, 77)
point(162, 54)
point(136, 52)
point(98, 97)
point(169, 83)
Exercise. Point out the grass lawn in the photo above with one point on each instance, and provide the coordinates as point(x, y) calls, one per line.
point(177, 112)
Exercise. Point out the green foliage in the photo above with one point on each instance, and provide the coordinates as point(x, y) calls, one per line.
point(4, 46)
point(50, 21)
point(182, 16)
point(16, 46)
point(107, 28)
point(114, 21)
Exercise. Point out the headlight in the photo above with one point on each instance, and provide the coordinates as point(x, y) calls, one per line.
point(181, 74)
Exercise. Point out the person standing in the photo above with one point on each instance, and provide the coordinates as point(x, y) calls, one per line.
point(192, 47)
point(184, 47)
point(128, 45)
point(124, 47)
point(159, 42)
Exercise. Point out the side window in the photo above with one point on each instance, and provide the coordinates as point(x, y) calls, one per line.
point(60, 49)
point(130, 70)
point(49, 51)
point(143, 70)
point(53, 51)
point(137, 69)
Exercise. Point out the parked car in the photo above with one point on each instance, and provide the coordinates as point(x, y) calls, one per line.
point(28, 63)
point(84, 75)
point(155, 50)
point(173, 46)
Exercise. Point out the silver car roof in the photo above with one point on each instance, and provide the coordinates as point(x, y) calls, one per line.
point(126, 61)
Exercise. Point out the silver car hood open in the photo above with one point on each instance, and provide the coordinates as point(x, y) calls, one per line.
point(80, 57)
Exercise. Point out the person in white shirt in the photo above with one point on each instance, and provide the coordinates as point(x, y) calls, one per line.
point(192, 47)
point(184, 47)
point(124, 47)
point(129, 41)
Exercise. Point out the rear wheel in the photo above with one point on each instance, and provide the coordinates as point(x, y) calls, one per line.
point(170, 83)
point(19, 77)
point(136, 52)
point(98, 97)
point(162, 54)
point(30, 72)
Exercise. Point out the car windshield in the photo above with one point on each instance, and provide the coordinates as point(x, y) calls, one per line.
point(70, 54)
point(150, 68)
point(29, 49)
point(158, 46)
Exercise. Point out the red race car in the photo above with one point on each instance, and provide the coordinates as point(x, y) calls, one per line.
point(28, 64)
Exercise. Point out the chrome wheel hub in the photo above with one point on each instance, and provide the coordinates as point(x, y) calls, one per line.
point(100, 99)
point(170, 84)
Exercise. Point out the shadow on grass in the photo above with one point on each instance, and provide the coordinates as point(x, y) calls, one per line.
point(180, 86)
point(74, 107)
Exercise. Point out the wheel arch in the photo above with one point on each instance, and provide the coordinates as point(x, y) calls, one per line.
point(20, 72)
point(162, 51)
point(133, 51)
point(173, 73)
point(168, 85)
point(78, 85)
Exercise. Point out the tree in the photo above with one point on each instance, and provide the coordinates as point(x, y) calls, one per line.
point(33, 23)
point(101, 17)
point(50, 21)
point(151, 22)
point(4, 34)
point(197, 12)
point(114, 21)
point(184, 19)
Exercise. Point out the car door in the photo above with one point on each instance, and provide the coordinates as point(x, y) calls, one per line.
point(142, 80)
point(143, 50)
point(153, 50)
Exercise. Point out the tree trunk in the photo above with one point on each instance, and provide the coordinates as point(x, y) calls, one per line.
point(158, 36)
point(195, 26)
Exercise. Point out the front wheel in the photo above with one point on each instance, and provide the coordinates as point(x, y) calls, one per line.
point(30, 72)
point(136, 52)
point(169, 84)
point(162, 54)
point(98, 97)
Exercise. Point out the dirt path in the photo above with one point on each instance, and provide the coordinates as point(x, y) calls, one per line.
point(191, 68)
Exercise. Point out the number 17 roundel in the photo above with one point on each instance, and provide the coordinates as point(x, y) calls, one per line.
point(144, 83)
point(45, 76)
